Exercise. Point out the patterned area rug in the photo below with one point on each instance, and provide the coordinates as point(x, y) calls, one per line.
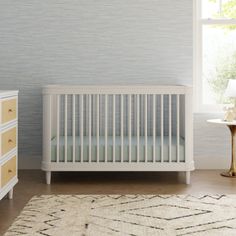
point(134, 215)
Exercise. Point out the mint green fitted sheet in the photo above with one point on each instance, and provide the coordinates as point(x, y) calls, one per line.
point(117, 149)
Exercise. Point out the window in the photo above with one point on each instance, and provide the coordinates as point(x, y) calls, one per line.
point(215, 52)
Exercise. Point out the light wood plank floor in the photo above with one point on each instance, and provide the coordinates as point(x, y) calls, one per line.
point(32, 182)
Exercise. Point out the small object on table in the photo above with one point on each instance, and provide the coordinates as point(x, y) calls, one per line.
point(232, 126)
point(230, 92)
point(229, 114)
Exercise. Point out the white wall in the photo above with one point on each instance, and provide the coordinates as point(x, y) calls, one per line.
point(90, 42)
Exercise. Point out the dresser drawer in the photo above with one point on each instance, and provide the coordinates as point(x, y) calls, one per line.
point(8, 140)
point(8, 171)
point(9, 110)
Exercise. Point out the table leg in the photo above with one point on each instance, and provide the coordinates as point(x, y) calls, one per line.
point(232, 171)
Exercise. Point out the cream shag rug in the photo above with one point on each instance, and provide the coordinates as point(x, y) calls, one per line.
point(134, 215)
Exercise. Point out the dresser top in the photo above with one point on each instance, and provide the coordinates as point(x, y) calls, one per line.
point(8, 93)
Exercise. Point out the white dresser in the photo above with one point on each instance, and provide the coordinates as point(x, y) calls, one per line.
point(8, 142)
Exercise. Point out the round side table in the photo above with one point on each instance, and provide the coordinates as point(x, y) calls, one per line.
point(232, 126)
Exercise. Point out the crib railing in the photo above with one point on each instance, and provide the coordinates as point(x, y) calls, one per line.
point(100, 119)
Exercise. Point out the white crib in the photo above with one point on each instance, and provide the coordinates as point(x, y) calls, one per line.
point(117, 128)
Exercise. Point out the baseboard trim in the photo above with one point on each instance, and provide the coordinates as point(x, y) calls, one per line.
point(211, 163)
point(29, 163)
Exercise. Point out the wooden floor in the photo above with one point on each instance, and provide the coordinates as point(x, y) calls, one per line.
point(33, 183)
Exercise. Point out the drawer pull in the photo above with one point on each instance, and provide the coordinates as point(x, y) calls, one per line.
point(10, 171)
point(10, 141)
point(10, 110)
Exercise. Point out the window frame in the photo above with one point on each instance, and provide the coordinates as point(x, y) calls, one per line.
point(198, 24)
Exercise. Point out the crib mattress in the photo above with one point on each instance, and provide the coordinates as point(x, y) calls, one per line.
point(134, 155)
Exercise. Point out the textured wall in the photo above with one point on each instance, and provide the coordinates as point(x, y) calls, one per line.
point(211, 143)
point(89, 42)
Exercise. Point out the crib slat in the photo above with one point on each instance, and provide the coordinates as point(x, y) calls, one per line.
point(177, 126)
point(98, 127)
point(105, 128)
point(114, 129)
point(145, 125)
point(154, 126)
point(162, 128)
point(129, 126)
point(90, 124)
point(58, 127)
point(138, 159)
point(82, 127)
point(121, 126)
point(170, 128)
point(65, 129)
point(73, 127)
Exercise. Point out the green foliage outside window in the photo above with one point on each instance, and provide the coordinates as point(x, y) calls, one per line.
point(228, 9)
point(225, 70)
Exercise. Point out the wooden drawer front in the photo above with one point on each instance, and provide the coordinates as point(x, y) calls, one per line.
point(8, 140)
point(9, 110)
point(8, 171)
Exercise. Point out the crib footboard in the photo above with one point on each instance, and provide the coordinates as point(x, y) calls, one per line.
point(117, 128)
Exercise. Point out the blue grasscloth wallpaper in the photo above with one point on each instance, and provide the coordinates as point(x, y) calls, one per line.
point(89, 42)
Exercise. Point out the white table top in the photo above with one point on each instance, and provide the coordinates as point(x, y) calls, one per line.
point(221, 122)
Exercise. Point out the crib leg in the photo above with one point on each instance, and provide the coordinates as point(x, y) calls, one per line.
point(184, 177)
point(187, 177)
point(48, 177)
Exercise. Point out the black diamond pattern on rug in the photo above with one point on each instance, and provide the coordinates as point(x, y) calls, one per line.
point(134, 215)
